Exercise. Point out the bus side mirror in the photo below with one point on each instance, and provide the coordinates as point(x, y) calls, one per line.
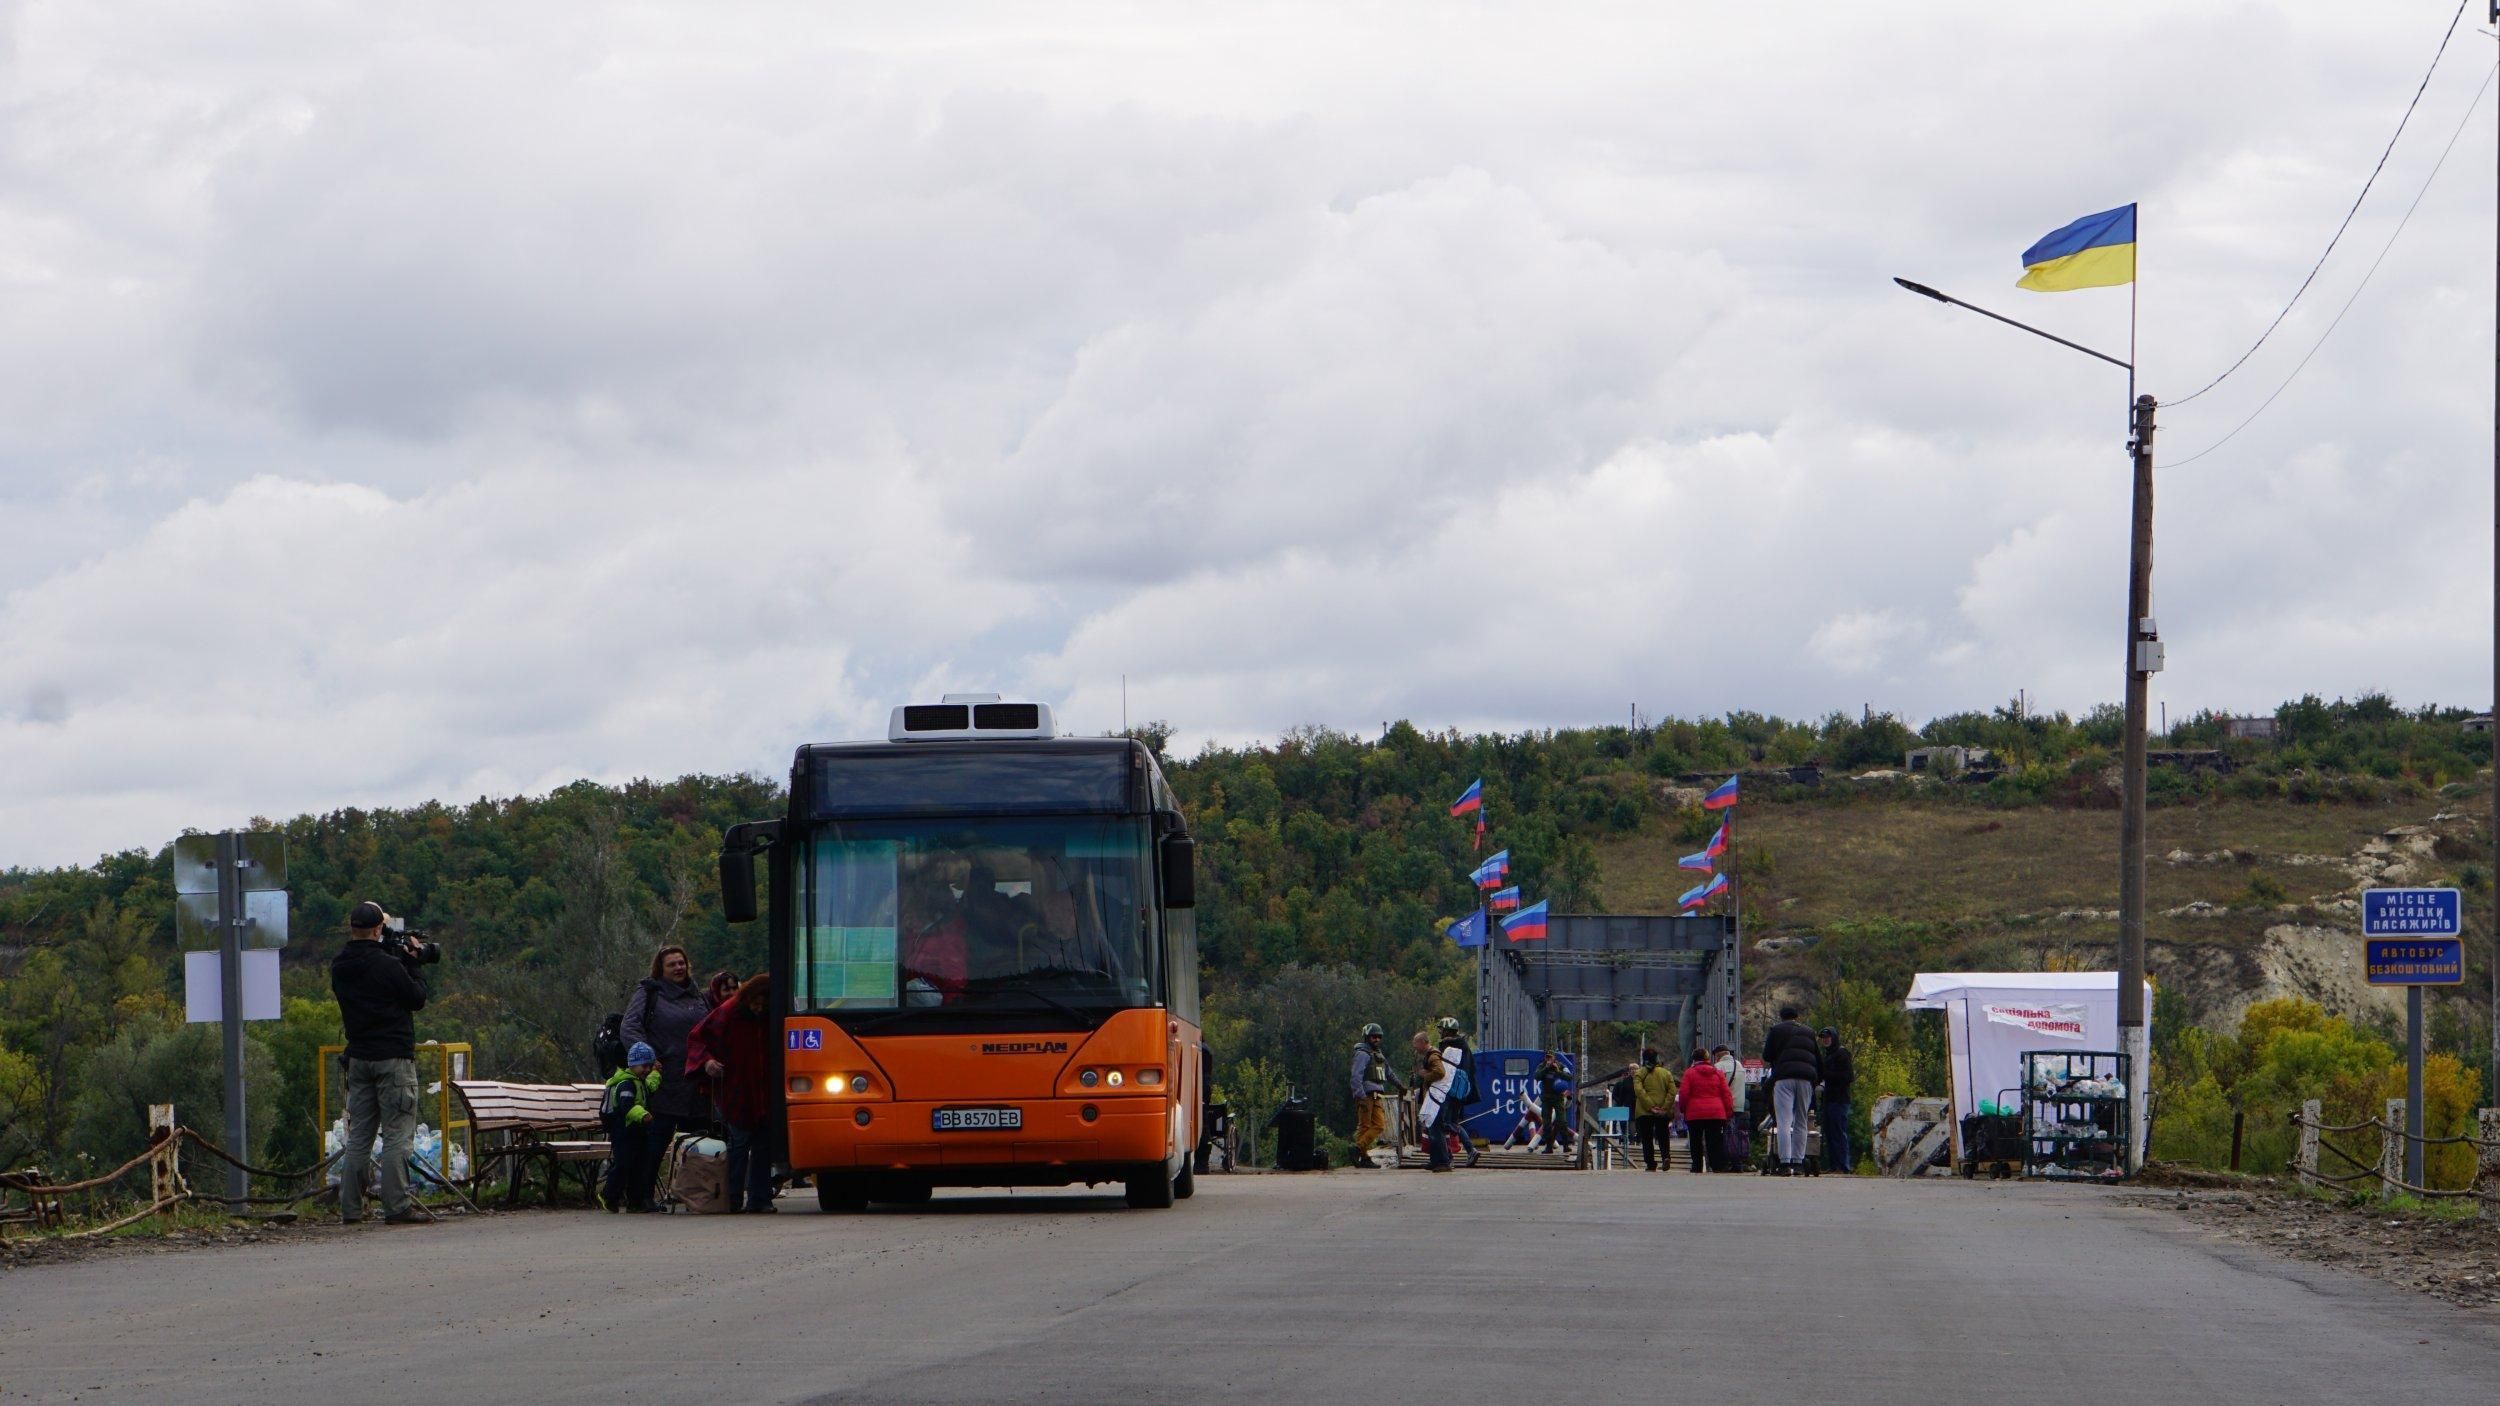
point(737, 867)
point(1180, 871)
point(737, 885)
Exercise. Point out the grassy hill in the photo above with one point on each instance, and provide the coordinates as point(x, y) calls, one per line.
point(1880, 882)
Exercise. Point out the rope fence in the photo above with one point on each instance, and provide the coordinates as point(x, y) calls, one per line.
point(2388, 1171)
point(28, 1199)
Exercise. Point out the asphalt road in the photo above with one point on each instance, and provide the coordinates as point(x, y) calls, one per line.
point(1511, 1286)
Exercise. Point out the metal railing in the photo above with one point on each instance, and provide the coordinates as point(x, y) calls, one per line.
point(2388, 1171)
point(28, 1198)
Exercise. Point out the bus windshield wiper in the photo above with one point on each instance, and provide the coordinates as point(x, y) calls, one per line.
point(1083, 1019)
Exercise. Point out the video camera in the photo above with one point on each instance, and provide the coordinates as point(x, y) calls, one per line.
point(410, 944)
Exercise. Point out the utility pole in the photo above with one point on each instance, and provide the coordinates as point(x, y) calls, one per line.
point(230, 1013)
point(2491, 1086)
point(2144, 657)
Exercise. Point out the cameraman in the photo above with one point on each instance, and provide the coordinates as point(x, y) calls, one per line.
point(378, 989)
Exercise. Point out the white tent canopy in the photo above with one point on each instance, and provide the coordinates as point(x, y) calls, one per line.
point(1992, 1018)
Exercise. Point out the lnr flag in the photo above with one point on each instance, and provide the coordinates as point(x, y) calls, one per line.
point(1503, 900)
point(1700, 894)
point(1470, 799)
point(1492, 871)
point(1526, 925)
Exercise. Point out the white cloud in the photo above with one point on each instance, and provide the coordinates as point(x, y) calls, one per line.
point(437, 401)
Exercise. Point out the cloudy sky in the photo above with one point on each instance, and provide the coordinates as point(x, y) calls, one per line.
point(436, 401)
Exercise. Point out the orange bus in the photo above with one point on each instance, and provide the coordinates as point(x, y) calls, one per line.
point(984, 966)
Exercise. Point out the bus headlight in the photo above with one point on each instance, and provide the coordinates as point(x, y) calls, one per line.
point(859, 1083)
point(1113, 1078)
point(1089, 1078)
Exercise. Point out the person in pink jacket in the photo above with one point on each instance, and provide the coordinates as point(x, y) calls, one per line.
point(1706, 1102)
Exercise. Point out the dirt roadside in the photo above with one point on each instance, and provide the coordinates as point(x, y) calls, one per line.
point(2455, 1260)
point(21, 1252)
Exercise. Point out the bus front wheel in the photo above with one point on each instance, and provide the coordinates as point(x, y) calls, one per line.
point(1150, 1187)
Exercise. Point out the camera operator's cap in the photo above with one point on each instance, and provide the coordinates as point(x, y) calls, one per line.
point(367, 914)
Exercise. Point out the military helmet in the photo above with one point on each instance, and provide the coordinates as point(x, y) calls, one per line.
point(1372, 1030)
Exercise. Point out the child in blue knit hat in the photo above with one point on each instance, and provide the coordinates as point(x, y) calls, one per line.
point(623, 1109)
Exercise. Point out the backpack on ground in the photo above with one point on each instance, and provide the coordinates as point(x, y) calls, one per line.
point(699, 1174)
point(608, 1046)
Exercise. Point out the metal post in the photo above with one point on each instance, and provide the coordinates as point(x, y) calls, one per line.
point(2391, 1157)
point(2413, 1086)
point(2132, 1036)
point(2491, 1088)
point(1580, 1100)
point(230, 978)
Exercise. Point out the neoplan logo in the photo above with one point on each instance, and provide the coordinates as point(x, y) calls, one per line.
point(1022, 1047)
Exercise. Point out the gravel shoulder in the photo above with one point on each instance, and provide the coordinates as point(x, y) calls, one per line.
point(2454, 1260)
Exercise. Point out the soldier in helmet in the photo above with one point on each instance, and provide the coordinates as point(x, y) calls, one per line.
point(1371, 1078)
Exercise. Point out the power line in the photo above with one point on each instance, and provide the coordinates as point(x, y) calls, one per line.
point(2418, 90)
point(2470, 109)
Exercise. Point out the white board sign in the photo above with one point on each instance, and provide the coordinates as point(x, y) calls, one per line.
point(204, 990)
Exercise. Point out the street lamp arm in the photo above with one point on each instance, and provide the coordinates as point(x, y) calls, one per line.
point(1926, 292)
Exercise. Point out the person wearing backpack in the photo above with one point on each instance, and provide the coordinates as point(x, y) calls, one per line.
point(1466, 1088)
point(661, 1012)
point(1433, 1077)
point(624, 1109)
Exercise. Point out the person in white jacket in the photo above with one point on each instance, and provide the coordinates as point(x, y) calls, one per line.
point(1433, 1077)
point(1739, 1126)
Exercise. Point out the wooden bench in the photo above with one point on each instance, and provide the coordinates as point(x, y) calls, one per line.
point(540, 1123)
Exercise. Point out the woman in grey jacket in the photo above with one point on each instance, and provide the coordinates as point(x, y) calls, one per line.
point(661, 1012)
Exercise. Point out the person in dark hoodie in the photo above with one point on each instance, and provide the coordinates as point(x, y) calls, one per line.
point(1796, 1064)
point(662, 1011)
point(732, 1049)
point(379, 993)
point(1840, 1078)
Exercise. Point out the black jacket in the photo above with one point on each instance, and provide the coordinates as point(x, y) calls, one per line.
point(378, 995)
point(1793, 1052)
point(1840, 1073)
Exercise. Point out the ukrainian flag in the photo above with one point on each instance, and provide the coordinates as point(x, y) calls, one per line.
point(2097, 251)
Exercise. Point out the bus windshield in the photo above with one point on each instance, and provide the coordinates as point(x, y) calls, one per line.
point(994, 915)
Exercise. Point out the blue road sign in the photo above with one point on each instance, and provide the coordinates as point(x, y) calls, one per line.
point(2415, 961)
point(2411, 913)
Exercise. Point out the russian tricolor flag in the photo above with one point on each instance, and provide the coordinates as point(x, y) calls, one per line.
point(1504, 900)
point(1470, 799)
point(1721, 798)
point(1701, 893)
point(1467, 931)
point(1526, 925)
point(1489, 874)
